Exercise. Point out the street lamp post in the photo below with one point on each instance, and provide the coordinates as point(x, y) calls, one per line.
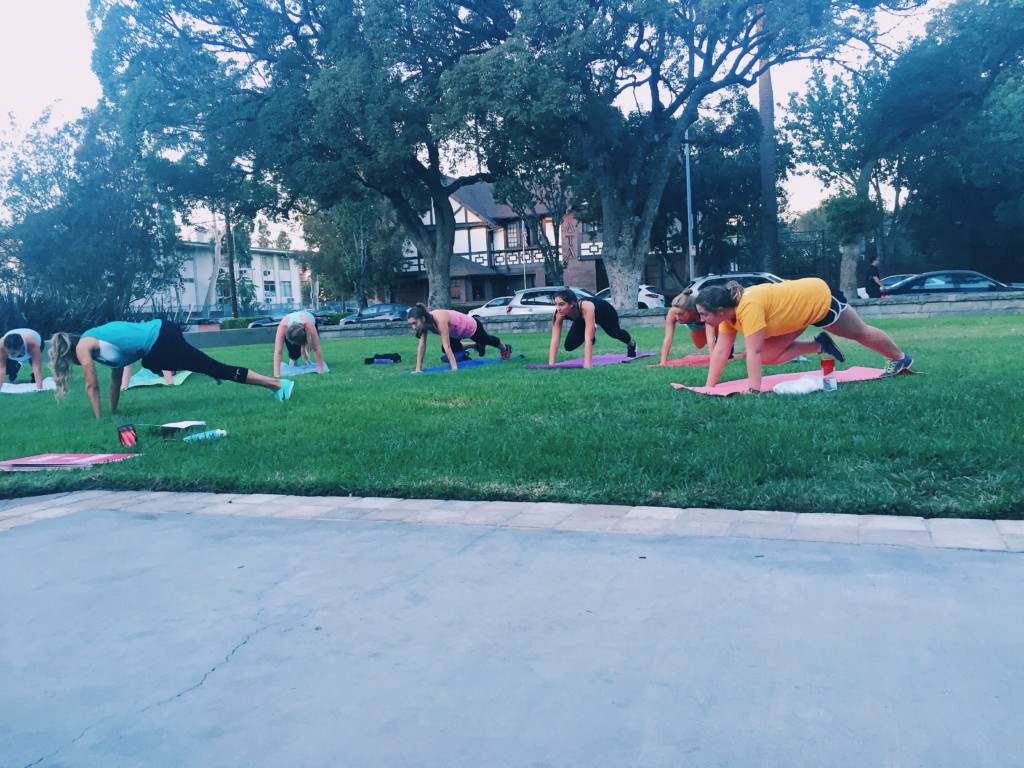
point(691, 247)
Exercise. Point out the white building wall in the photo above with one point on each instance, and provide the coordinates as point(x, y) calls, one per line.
point(279, 269)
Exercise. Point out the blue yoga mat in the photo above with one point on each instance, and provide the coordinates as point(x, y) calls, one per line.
point(287, 369)
point(146, 378)
point(466, 364)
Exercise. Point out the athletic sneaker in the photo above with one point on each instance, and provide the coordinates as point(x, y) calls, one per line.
point(828, 347)
point(506, 351)
point(895, 367)
point(285, 392)
point(631, 349)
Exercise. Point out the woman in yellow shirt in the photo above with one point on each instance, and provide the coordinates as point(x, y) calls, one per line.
point(772, 317)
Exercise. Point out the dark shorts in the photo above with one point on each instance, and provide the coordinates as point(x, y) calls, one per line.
point(836, 308)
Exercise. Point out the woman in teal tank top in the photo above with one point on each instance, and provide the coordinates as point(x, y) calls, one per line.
point(159, 344)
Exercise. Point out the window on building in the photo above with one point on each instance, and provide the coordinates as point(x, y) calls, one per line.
point(512, 239)
point(283, 265)
point(286, 290)
point(269, 290)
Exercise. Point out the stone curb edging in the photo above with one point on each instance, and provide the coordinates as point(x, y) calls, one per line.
point(917, 532)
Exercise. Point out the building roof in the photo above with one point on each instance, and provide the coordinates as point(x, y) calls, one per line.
point(479, 198)
point(463, 267)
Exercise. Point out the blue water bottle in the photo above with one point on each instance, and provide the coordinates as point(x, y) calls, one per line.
point(210, 434)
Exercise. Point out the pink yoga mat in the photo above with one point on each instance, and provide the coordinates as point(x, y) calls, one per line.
point(61, 461)
point(856, 373)
point(595, 360)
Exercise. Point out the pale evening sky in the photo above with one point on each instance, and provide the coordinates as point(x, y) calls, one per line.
point(45, 55)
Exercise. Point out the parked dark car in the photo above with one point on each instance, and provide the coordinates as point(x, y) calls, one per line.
point(277, 317)
point(947, 282)
point(378, 313)
point(893, 279)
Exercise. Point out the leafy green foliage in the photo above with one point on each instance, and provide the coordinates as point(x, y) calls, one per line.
point(89, 233)
point(358, 246)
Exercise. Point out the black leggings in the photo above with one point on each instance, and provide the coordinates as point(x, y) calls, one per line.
point(605, 316)
point(171, 352)
point(480, 337)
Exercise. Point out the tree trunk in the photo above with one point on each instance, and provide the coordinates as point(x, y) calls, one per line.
point(211, 291)
point(229, 236)
point(627, 220)
point(434, 245)
point(769, 173)
point(848, 269)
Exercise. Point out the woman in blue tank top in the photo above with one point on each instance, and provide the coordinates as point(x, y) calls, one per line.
point(159, 344)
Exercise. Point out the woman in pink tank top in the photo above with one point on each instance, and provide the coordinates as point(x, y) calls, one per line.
point(453, 328)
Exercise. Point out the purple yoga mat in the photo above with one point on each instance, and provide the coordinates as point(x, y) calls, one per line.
point(595, 360)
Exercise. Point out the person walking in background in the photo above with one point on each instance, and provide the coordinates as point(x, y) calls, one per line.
point(772, 316)
point(586, 314)
point(684, 311)
point(453, 328)
point(873, 280)
point(159, 344)
point(20, 346)
point(297, 331)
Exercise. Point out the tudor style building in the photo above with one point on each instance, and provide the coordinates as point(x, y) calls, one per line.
point(493, 256)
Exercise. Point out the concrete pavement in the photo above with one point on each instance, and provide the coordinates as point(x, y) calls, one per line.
point(159, 629)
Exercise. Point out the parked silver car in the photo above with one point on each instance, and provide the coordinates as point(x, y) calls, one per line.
point(493, 308)
point(540, 301)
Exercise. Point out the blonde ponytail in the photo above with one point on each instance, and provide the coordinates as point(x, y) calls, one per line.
point(62, 348)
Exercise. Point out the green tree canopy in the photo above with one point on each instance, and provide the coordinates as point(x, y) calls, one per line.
point(610, 88)
point(89, 232)
point(358, 245)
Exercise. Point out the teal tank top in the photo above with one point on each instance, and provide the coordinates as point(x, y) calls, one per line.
point(123, 343)
point(295, 318)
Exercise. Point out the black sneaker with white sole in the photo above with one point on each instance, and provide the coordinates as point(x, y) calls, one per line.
point(828, 347)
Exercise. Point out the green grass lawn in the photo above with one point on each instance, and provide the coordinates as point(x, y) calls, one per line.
point(948, 443)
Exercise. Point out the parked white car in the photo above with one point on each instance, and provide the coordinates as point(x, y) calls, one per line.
point(746, 279)
point(493, 308)
point(647, 298)
point(539, 301)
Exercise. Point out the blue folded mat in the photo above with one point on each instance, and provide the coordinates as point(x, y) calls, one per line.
point(466, 364)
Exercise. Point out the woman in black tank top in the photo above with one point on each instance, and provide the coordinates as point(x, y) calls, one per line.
point(585, 314)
